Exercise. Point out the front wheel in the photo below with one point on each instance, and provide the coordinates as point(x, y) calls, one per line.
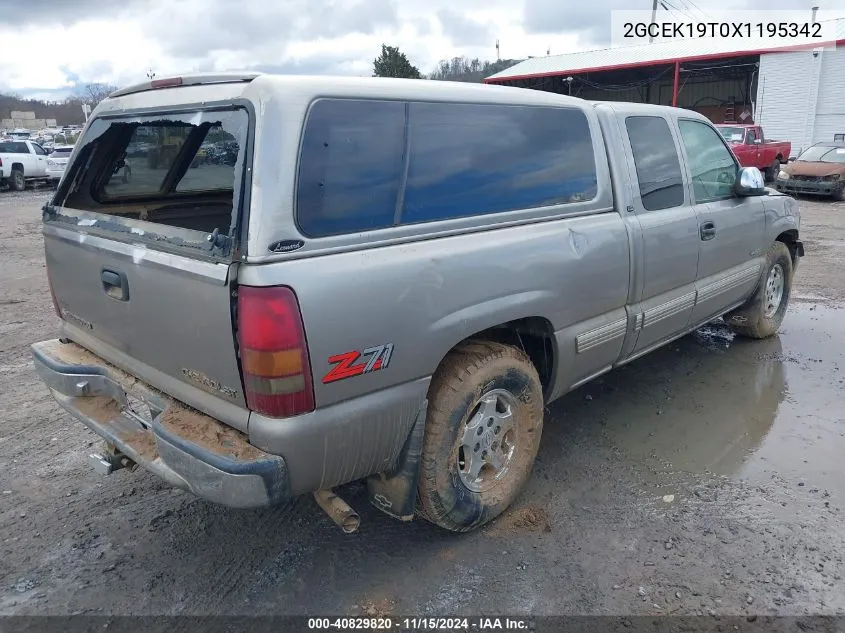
point(773, 171)
point(485, 418)
point(762, 315)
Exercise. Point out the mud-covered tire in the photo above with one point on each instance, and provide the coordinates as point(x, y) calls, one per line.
point(755, 319)
point(17, 182)
point(840, 195)
point(472, 375)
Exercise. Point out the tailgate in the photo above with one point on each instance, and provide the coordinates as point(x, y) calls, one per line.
point(141, 254)
point(169, 314)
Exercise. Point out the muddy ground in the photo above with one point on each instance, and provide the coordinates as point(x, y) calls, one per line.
point(706, 478)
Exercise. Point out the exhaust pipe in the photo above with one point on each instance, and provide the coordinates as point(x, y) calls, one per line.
point(338, 510)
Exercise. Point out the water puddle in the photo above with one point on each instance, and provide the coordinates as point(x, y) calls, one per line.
point(713, 403)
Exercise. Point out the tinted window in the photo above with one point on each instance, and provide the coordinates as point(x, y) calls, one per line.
point(13, 147)
point(62, 152)
point(468, 159)
point(657, 163)
point(38, 149)
point(350, 166)
point(752, 136)
point(712, 166)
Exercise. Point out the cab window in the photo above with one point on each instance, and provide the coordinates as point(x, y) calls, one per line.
point(656, 161)
point(712, 166)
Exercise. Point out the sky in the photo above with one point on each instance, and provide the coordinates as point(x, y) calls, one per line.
point(69, 43)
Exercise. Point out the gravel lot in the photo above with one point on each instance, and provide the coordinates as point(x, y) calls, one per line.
point(706, 478)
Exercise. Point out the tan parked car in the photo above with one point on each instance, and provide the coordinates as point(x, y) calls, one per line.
point(819, 170)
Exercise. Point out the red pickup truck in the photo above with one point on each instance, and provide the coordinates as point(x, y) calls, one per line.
point(752, 149)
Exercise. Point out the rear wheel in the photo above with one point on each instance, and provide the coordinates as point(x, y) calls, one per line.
point(485, 418)
point(17, 182)
point(762, 315)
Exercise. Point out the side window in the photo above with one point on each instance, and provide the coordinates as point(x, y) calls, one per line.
point(38, 149)
point(350, 166)
point(657, 162)
point(476, 159)
point(751, 137)
point(712, 165)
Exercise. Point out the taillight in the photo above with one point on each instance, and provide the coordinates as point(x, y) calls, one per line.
point(274, 354)
point(53, 295)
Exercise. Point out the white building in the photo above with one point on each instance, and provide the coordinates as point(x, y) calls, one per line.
point(801, 95)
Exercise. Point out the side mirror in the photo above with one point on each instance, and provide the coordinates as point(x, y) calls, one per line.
point(749, 182)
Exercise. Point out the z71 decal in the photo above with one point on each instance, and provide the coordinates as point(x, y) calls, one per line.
point(346, 365)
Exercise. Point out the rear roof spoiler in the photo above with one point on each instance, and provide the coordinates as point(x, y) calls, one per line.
point(197, 79)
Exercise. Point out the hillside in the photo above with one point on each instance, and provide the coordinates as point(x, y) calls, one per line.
point(66, 112)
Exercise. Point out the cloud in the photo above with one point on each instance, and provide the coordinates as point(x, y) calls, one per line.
point(103, 41)
point(590, 21)
point(63, 12)
point(463, 30)
point(197, 28)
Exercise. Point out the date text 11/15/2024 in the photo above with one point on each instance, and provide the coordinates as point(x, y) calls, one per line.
point(418, 624)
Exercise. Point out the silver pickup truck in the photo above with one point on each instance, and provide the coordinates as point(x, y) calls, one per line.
point(389, 280)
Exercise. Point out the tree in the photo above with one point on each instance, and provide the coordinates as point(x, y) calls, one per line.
point(393, 63)
point(94, 93)
point(469, 70)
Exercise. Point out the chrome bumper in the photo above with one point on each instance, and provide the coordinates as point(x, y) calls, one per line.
point(186, 448)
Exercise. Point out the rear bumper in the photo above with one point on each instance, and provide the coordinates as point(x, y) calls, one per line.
point(280, 459)
point(187, 449)
point(55, 174)
point(809, 187)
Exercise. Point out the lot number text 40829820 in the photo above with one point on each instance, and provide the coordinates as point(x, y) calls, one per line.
point(418, 624)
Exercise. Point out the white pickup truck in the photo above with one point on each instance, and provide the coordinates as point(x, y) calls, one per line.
point(21, 161)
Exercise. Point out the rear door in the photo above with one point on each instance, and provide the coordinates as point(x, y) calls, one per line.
point(39, 160)
point(142, 268)
point(669, 231)
point(731, 229)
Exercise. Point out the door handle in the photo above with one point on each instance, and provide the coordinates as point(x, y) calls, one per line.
point(115, 284)
point(707, 230)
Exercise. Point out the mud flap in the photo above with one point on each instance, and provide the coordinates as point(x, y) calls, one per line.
point(395, 492)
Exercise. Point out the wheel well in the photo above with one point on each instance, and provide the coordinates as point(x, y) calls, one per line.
point(789, 238)
point(779, 158)
point(533, 335)
point(17, 166)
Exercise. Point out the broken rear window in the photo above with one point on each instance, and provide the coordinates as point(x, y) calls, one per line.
point(181, 169)
point(156, 155)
